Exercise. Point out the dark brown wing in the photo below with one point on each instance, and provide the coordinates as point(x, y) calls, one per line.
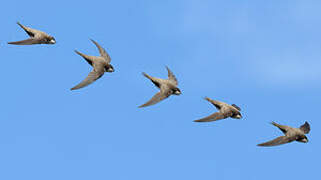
point(283, 128)
point(305, 128)
point(26, 42)
point(278, 141)
point(238, 108)
point(171, 76)
point(217, 104)
point(95, 74)
point(29, 31)
point(102, 51)
point(86, 57)
point(213, 117)
point(156, 83)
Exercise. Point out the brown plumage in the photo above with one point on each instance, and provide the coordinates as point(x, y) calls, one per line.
point(36, 37)
point(100, 64)
point(225, 111)
point(290, 134)
point(167, 87)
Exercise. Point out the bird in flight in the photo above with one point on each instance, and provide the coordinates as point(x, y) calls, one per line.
point(167, 87)
point(36, 37)
point(225, 111)
point(290, 134)
point(100, 64)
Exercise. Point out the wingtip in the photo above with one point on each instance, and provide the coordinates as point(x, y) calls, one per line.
point(14, 43)
point(144, 74)
point(198, 120)
point(79, 53)
point(207, 98)
point(93, 41)
point(74, 88)
point(19, 24)
point(141, 106)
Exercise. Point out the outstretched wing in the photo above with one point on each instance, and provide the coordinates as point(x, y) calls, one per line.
point(163, 94)
point(217, 104)
point(238, 108)
point(278, 141)
point(283, 128)
point(26, 42)
point(29, 31)
point(213, 117)
point(305, 128)
point(95, 74)
point(89, 59)
point(171, 76)
point(102, 51)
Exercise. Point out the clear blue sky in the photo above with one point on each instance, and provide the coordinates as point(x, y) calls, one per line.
point(263, 56)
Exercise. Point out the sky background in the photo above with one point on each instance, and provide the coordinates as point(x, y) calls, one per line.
point(263, 56)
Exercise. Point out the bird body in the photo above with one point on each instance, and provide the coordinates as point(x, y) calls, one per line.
point(100, 64)
point(290, 134)
point(167, 87)
point(36, 37)
point(225, 111)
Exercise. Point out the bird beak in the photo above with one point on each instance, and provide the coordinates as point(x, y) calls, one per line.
point(52, 41)
point(178, 92)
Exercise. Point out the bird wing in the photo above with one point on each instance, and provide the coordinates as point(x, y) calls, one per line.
point(217, 104)
point(163, 94)
point(171, 76)
point(95, 74)
point(278, 141)
point(31, 32)
point(238, 108)
point(155, 81)
point(213, 117)
point(305, 128)
point(89, 59)
point(26, 42)
point(102, 51)
point(283, 128)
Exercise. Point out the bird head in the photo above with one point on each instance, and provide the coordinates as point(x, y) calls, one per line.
point(238, 115)
point(176, 91)
point(50, 40)
point(303, 139)
point(109, 68)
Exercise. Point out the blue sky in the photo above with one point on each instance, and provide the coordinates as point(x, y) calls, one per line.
point(262, 56)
